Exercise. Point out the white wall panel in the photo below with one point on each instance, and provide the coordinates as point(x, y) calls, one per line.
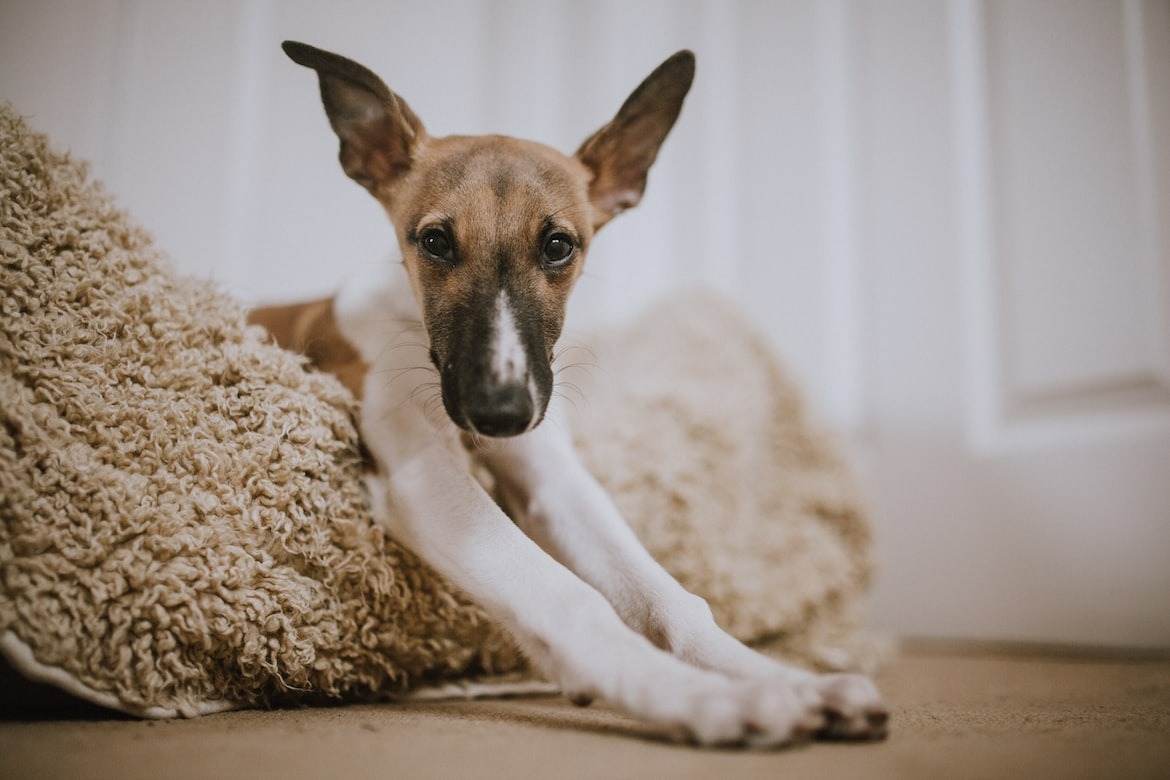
point(71, 93)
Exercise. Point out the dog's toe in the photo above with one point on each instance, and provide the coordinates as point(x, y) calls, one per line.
point(746, 713)
point(853, 708)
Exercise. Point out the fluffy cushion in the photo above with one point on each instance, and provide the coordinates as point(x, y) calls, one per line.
point(182, 521)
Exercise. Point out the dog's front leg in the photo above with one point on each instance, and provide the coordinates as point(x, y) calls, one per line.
point(554, 499)
point(565, 627)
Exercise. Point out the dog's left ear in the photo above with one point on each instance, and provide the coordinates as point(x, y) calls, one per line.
point(621, 153)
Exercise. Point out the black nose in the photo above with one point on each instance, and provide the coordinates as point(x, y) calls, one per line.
point(501, 411)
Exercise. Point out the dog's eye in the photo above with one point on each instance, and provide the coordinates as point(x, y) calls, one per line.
point(558, 250)
point(435, 243)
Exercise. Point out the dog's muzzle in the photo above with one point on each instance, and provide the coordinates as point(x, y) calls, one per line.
point(495, 369)
point(477, 402)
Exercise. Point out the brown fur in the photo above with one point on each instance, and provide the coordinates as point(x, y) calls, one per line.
point(311, 329)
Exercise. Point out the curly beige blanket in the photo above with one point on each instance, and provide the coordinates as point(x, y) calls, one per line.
point(183, 526)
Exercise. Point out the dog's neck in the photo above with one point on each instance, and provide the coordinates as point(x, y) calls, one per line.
point(375, 309)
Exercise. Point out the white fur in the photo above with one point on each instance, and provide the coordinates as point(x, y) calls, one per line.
point(562, 571)
point(509, 361)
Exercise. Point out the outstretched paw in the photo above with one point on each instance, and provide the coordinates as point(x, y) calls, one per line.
point(852, 707)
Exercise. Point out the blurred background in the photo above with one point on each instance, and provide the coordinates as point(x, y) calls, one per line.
point(952, 219)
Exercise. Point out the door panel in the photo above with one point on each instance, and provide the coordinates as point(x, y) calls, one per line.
point(1022, 442)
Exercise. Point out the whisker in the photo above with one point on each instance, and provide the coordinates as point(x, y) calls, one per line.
point(560, 389)
point(557, 422)
point(398, 373)
point(586, 366)
point(428, 388)
point(478, 443)
point(433, 407)
point(562, 351)
point(565, 370)
point(390, 346)
point(391, 375)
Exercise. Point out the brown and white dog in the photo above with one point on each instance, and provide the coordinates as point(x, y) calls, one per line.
point(492, 233)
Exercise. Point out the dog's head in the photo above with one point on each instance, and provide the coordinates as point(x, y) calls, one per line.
point(493, 230)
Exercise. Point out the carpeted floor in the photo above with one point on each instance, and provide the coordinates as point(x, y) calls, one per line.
point(957, 713)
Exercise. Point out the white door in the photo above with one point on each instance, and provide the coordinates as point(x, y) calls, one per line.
point(1020, 312)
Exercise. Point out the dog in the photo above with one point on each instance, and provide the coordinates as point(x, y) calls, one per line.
point(492, 234)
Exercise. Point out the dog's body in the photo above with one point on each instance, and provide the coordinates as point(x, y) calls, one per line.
point(492, 233)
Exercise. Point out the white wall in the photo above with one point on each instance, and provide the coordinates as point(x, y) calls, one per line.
point(193, 115)
point(896, 191)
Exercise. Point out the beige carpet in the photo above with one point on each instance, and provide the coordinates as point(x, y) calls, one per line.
point(958, 713)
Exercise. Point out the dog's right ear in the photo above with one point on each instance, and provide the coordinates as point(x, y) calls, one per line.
point(378, 131)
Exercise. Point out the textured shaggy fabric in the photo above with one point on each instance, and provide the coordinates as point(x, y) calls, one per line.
point(182, 521)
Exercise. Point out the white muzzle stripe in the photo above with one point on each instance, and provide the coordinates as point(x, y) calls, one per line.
point(509, 360)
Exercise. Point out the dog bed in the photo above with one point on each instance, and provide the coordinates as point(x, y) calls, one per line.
point(183, 527)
